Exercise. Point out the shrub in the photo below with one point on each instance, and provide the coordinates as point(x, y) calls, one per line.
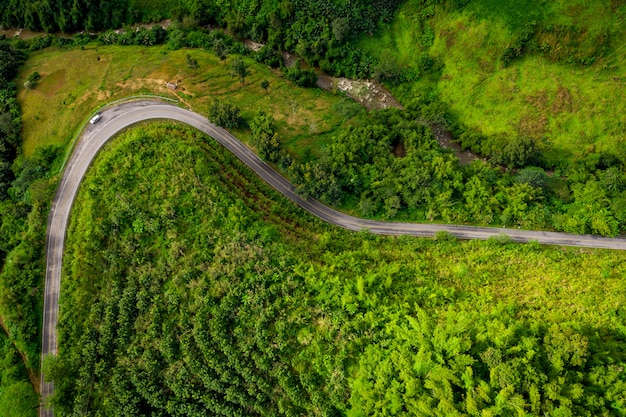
point(225, 115)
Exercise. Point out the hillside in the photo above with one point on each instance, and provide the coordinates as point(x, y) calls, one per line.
point(192, 288)
point(548, 70)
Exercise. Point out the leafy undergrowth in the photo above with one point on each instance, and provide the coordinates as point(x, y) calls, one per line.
point(17, 398)
point(190, 288)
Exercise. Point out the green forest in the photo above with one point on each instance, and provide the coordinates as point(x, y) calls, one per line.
point(192, 288)
point(193, 293)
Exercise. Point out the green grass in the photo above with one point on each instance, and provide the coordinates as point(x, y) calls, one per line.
point(570, 108)
point(76, 82)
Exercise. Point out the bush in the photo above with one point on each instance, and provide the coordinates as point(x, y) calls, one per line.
point(302, 77)
point(534, 176)
point(225, 115)
point(269, 57)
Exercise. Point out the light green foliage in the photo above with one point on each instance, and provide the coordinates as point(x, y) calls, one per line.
point(229, 300)
point(239, 69)
point(388, 164)
point(171, 247)
point(548, 71)
point(225, 114)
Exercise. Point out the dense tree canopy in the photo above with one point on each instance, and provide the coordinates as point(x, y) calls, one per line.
point(66, 16)
point(189, 299)
point(20, 248)
point(10, 60)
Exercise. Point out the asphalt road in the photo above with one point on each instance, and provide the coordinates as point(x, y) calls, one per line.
point(122, 116)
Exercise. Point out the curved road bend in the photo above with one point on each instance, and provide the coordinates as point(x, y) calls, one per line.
point(120, 117)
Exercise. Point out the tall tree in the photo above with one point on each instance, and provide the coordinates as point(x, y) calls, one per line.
point(239, 69)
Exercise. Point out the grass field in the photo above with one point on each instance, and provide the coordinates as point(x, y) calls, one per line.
point(572, 109)
point(75, 82)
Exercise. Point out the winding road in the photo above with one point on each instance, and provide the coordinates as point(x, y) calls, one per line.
point(117, 118)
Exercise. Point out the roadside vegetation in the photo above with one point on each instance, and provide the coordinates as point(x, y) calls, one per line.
point(383, 164)
point(534, 88)
point(75, 82)
point(22, 196)
point(17, 397)
point(190, 287)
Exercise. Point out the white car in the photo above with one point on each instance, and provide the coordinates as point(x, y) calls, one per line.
point(95, 119)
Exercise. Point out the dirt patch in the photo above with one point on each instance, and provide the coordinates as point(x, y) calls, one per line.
point(533, 126)
point(51, 83)
point(103, 95)
point(254, 46)
point(370, 94)
point(138, 83)
point(444, 137)
point(538, 100)
point(288, 59)
point(562, 101)
point(22, 33)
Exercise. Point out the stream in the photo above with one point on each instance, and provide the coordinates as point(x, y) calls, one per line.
point(373, 96)
point(370, 94)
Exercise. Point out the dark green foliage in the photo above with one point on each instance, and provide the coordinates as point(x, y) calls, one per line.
point(316, 30)
point(10, 60)
point(389, 165)
point(319, 31)
point(313, 179)
point(269, 57)
point(192, 62)
point(41, 42)
point(35, 76)
point(22, 236)
point(513, 151)
point(138, 36)
point(17, 397)
point(302, 77)
point(225, 115)
point(65, 16)
point(267, 141)
point(31, 81)
point(25, 193)
point(534, 176)
point(219, 49)
point(388, 68)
